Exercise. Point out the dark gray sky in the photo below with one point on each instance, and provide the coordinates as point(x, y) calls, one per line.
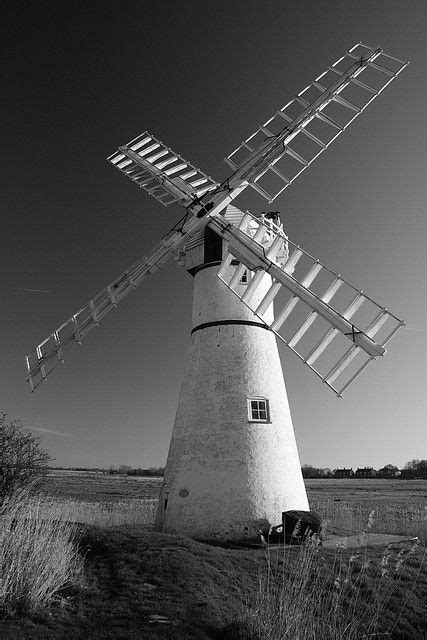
point(83, 78)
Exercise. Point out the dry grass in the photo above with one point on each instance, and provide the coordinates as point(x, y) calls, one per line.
point(399, 505)
point(104, 514)
point(38, 554)
point(305, 595)
point(342, 517)
point(107, 500)
point(141, 584)
point(298, 593)
point(97, 487)
point(346, 517)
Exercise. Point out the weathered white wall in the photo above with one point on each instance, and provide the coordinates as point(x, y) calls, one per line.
point(226, 476)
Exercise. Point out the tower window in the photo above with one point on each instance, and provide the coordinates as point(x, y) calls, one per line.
point(258, 410)
point(244, 278)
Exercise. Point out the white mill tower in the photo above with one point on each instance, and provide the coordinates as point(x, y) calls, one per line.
point(233, 464)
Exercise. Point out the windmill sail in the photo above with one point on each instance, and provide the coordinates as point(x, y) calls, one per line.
point(288, 142)
point(170, 179)
point(50, 353)
point(161, 172)
point(335, 328)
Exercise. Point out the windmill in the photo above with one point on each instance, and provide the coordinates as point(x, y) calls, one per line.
point(233, 463)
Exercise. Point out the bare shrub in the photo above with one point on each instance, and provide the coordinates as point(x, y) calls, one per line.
point(23, 461)
point(38, 553)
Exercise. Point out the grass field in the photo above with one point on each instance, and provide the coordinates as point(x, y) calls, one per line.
point(138, 584)
point(97, 487)
point(399, 505)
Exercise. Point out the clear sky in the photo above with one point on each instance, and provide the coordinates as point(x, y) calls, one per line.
point(83, 78)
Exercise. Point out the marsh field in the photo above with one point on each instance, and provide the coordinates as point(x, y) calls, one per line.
point(126, 581)
point(399, 505)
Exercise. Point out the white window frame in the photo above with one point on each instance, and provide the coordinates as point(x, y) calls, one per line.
point(260, 403)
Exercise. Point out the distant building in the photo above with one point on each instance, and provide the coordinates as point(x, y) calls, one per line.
point(325, 473)
point(343, 473)
point(366, 472)
point(389, 471)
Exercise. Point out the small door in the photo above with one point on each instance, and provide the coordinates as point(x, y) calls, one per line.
point(164, 497)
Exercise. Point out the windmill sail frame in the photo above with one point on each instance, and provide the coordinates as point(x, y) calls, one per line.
point(257, 160)
point(170, 179)
point(160, 171)
point(50, 353)
point(247, 243)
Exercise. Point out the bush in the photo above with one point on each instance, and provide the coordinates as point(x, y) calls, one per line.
point(38, 553)
point(23, 461)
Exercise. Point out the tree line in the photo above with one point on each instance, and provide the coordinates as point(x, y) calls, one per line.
point(414, 469)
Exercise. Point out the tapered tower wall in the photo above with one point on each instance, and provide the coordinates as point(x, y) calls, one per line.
point(227, 475)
